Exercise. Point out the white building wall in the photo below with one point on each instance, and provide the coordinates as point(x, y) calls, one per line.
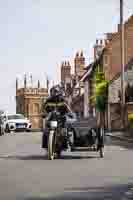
point(86, 99)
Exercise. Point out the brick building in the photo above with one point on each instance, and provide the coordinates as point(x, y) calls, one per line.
point(88, 78)
point(111, 56)
point(107, 56)
point(29, 102)
point(115, 96)
point(111, 60)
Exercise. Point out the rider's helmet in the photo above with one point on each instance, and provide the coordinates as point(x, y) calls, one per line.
point(55, 91)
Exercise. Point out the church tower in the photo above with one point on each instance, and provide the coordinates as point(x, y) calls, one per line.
point(65, 72)
point(98, 48)
point(79, 64)
point(29, 101)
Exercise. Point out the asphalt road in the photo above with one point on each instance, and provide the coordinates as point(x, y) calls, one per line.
point(26, 174)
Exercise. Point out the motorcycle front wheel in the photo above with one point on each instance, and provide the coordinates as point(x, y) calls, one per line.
point(101, 152)
point(51, 145)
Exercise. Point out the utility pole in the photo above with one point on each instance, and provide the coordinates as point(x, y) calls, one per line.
point(122, 63)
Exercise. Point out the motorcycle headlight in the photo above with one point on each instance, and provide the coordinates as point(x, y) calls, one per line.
point(53, 124)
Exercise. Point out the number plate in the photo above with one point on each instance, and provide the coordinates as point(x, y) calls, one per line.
point(21, 126)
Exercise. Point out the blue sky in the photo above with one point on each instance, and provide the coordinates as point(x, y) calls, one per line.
point(36, 35)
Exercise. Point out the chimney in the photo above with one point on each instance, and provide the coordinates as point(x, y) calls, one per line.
point(109, 36)
point(81, 54)
point(16, 84)
point(31, 80)
point(97, 41)
point(101, 42)
point(38, 84)
point(25, 81)
point(106, 42)
point(48, 83)
point(77, 54)
point(62, 64)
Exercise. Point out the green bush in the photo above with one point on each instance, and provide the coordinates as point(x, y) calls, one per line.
point(130, 123)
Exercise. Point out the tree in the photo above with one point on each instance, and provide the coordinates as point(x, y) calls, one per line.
point(100, 95)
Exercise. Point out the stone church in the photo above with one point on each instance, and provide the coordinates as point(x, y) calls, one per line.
point(29, 102)
point(79, 69)
point(71, 81)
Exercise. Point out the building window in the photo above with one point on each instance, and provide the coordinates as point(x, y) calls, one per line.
point(129, 93)
point(36, 108)
point(106, 60)
point(27, 110)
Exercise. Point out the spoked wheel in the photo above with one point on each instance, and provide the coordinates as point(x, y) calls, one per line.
point(51, 145)
point(101, 150)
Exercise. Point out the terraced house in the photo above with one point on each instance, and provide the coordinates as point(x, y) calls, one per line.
point(112, 68)
point(107, 56)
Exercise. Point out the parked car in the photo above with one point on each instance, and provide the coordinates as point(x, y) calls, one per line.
point(2, 130)
point(16, 122)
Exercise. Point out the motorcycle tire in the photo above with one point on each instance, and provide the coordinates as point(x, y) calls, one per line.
point(101, 152)
point(58, 153)
point(7, 130)
point(51, 145)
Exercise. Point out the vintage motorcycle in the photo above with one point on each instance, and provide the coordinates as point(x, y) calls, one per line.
point(67, 133)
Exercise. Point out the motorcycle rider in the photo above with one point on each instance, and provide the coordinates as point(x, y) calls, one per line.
point(56, 99)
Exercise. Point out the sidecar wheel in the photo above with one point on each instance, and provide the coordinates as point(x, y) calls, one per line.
point(51, 145)
point(101, 152)
point(58, 153)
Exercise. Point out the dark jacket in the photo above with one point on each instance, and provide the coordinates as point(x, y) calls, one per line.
point(57, 102)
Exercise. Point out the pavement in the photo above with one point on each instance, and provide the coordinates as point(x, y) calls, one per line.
point(121, 136)
point(27, 174)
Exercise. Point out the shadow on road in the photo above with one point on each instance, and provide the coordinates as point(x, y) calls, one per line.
point(71, 157)
point(93, 193)
point(29, 157)
point(44, 157)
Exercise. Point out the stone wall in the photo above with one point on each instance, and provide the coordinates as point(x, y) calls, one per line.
point(114, 100)
point(114, 88)
point(115, 116)
point(29, 102)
